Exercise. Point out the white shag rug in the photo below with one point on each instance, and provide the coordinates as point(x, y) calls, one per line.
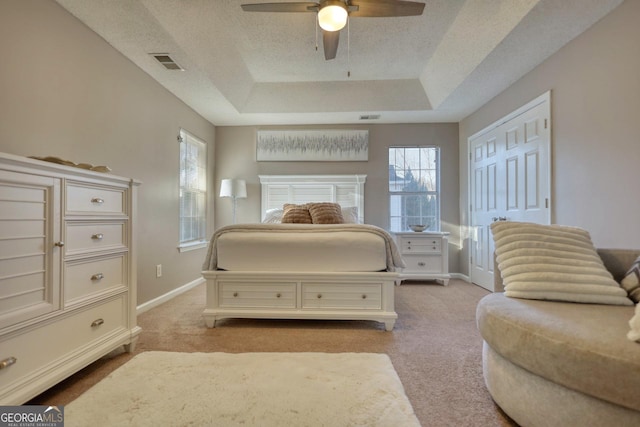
point(247, 389)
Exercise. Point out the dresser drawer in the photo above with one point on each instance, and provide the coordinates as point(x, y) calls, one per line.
point(345, 296)
point(422, 264)
point(93, 276)
point(38, 348)
point(96, 200)
point(88, 237)
point(421, 245)
point(257, 294)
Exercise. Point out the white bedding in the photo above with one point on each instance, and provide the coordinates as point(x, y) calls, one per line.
point(302, 247)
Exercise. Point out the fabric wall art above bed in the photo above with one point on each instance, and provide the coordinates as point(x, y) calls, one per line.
point(312, 145)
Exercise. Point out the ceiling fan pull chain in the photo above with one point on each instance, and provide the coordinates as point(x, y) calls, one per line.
point(317, 32)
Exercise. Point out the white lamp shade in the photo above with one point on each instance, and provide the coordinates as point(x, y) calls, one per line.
point(226, 188)
point(332, 17)
point(236, 188)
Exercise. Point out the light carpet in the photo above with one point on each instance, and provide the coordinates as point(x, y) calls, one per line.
point(247, 389)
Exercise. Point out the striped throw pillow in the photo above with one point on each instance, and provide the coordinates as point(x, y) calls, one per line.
point(326, 213)
point(296, 214)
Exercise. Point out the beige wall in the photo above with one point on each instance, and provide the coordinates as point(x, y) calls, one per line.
point(595, 110)
point(236, 158)
point(65, 92)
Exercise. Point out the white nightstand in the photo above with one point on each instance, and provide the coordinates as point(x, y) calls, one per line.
point(426, 255)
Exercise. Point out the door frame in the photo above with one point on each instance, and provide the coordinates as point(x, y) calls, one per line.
point(545, 97)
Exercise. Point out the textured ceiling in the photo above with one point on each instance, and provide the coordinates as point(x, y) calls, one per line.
point(245, 68)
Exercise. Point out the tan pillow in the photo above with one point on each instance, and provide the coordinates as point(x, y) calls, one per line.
point(297, 214)
point(631, 281)
point(553, 262)
point(326, 213)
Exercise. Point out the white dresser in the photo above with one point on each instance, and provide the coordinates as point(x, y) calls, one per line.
point(425, 254)
point(67, 272)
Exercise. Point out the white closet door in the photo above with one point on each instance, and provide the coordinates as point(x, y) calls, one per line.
point(509, 172)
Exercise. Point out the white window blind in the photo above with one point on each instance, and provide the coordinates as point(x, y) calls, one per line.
point(193, 191)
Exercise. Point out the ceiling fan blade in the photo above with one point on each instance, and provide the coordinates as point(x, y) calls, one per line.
point(330, 41)
point(385, 8)
point(301, 6)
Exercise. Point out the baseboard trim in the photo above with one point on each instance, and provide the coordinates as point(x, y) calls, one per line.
point(169, 295)
point(461, 277)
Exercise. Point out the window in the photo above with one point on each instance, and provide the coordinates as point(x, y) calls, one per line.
point(193, 192)
point(414, 187)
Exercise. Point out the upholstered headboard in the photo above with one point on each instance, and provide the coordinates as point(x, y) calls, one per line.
point(346, 190)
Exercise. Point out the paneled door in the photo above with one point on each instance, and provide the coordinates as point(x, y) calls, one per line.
point(510, 180)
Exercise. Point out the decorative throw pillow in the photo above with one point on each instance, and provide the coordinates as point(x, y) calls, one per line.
point(350, 215)
point(326, 213)
point(297, 214)
point(553, 262)
point(631, 281)
point(273, 216)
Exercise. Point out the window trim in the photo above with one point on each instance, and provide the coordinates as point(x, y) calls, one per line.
point(190, 245)
point(437, 192)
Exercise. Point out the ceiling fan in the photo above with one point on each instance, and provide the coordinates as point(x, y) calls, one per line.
point(332, 14)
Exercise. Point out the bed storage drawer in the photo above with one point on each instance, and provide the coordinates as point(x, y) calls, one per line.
point(257, 294)
point(323, 295)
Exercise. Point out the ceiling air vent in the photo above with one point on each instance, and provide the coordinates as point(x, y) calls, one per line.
point(370, 117)
point(166, 61)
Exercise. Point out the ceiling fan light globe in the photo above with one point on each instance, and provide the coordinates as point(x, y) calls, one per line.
point(332, 17)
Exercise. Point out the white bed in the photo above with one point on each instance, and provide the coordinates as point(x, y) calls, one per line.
point(299, 271)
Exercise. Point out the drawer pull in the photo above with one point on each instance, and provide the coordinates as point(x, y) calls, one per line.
point(319, 296)
point(97, 322)
point(364, 296)
point(7, 362)
point(434, 248)
point(278, 295)
point(421, 264)
point(97, 200)
point(409, 247)
point(98, 276)
point(97, 236)
point(235, 294)
point(59, 244)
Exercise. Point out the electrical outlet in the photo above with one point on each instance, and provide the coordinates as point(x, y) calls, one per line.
point(159, 270)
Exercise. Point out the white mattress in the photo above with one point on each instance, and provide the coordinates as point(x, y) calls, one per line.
point(347, 251)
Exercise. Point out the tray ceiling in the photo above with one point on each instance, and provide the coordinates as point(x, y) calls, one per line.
point(243, 68)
